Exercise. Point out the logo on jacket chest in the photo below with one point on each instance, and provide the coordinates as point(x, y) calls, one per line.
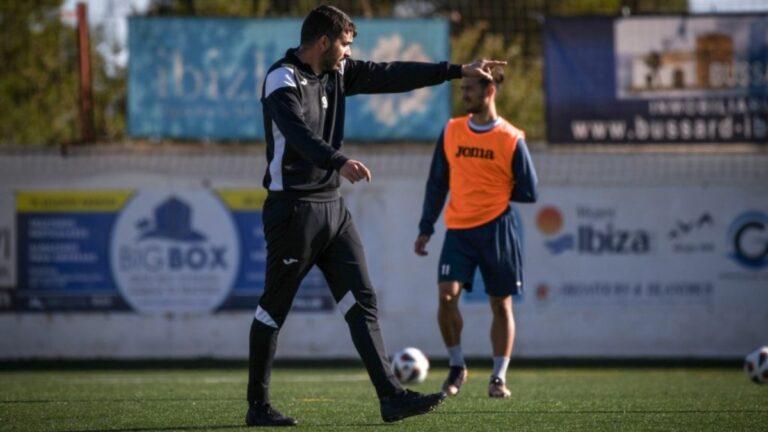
point(324, 100)
point(474, 152)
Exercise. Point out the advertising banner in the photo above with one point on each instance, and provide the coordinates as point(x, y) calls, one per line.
point(195, 78)
point(650, 246)
point(609, 271)
point(657, 79)
point(149, 251)
point(608, 246)
point(646, 271)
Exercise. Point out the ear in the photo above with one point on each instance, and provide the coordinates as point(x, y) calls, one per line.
point(490, 90)
point(325, 42)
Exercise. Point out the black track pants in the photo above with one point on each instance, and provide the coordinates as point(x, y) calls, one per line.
point(300, 234)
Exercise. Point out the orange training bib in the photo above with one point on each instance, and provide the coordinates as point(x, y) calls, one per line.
point(480, 171)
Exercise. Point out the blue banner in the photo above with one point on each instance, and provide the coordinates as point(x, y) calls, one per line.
point(657, 79)
point(192, 78)
point(148, 251)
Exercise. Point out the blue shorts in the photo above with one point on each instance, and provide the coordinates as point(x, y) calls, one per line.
point(494, 247)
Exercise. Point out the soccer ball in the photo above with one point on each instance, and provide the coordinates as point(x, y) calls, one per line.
point(756, 365)
point(410, 366)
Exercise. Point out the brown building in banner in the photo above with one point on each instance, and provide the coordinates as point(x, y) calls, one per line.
point(713, 49)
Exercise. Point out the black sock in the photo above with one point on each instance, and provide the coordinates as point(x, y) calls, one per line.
point(366, 335)
point(263, 343)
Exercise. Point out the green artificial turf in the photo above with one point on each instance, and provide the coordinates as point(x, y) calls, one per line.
point(550, 399)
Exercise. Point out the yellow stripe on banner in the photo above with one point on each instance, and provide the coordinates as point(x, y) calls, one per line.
point(68, 201)
point(243, 199)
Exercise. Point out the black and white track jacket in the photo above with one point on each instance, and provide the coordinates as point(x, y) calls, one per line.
point(304, 117)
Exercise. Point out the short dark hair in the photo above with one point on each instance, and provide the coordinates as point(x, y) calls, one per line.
point(497, 72)
point(328, 21)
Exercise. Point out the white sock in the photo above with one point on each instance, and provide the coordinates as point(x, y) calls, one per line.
point(457, 358)
point(500, 365)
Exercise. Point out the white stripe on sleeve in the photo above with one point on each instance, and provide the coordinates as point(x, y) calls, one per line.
point(276, 164)
point(279, 78)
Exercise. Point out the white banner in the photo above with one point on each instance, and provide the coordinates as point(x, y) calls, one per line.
point(672, 240)
point(645, 271)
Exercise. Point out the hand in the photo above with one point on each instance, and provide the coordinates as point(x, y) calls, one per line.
point(420, 247)
point(354, 171)
point(481, 68)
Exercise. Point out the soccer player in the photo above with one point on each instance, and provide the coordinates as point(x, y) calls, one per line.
point(484, 162)
point(305, 220)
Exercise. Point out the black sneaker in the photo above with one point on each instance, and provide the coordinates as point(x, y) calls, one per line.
point(408, 404)
point(262, 414)
point(457, 376)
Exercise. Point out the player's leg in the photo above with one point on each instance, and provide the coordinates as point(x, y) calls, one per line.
point(501, 268)
point(502, 340)
point(449, 316)
point(451, 323)
point(288, 232)
point(344, 267)
point(456, 270)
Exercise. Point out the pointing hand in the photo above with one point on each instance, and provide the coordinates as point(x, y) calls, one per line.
point(481, 68)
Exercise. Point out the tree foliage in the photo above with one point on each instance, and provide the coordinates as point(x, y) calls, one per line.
point(39, 84)
point(39, 75)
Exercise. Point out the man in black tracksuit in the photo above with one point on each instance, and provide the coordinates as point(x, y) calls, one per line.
point(305, 220)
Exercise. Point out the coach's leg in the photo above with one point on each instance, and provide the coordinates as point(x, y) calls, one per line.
point(343, 264)
point(279, 290)
point(280, 287)
point(290, 255)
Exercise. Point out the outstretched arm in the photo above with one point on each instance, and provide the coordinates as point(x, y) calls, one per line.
point(396, 77)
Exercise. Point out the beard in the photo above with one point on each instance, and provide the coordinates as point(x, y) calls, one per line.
point(473, 109)
point(329, 61)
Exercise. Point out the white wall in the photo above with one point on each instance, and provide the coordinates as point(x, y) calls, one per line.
point(682, 297)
